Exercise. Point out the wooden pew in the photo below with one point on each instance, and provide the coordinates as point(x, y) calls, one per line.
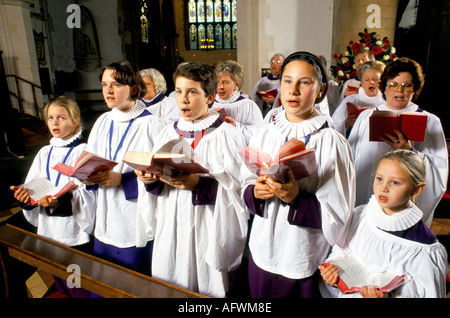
point(99, 276)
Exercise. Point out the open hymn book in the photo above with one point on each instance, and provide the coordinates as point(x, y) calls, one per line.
point(292, 155)
point(87, 165)
point(42, 187)
point(353, 275)
point(174, 157)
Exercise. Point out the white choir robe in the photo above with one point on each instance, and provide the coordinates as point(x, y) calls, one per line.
point(196, 246)
point(433, 151)
point(296, 251)
point(165, 109)
point(425, 265)
point(69, 230)
point(243, 110)
point(116, 213)
point(360, 99)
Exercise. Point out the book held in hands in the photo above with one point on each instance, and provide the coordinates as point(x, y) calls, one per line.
point(42, 187)
point(176, 156)
point(353, 275)
point(292, 155)
point(87, 165)
point(412, 124)
point(354, 109)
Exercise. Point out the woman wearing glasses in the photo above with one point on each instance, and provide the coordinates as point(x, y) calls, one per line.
point(401, 84)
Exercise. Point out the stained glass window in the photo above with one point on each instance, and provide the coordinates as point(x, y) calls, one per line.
point(144, 21)
point(212, 24)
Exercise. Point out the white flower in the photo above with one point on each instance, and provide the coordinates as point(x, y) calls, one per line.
point(340, 73)
point(393, 50)
point(345, 53)
point(386, 57)
point(379, 43)
point(344, 60)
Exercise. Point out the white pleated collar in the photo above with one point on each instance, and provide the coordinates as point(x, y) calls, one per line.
point(302, 129)
point(198, 125)
point(410, 108)
point(397, 222)
point(133, 112)
point(229, 100)
point(369, 99)
point(59, 142)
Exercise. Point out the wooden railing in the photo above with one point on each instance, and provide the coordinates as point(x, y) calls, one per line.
point(19, 94)
point(99, 276)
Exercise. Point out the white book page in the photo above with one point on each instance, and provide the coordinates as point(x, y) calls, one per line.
point(352, 271)
point(40, 187)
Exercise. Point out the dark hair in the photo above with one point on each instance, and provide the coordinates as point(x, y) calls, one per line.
point(127, 74)
point(198, 72)
point(402, 65)
point(317, 65)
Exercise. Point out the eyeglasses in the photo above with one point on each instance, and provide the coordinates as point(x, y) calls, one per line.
point(278, 62)
point(407, 87)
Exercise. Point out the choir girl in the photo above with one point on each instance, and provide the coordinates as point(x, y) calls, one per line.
point(157, 103)
point(387, 234)
point(296, 222)
point(70, 218)
point(368, 95)
point(199, 222)
point(127, 126)
point(400, 84)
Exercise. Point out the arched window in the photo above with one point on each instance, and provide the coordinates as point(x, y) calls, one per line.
point(211, 24)
point(144, 21)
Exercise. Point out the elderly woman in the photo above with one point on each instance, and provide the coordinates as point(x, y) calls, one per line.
point(238, 106)
point(400, 84)
point(157, 103)
point(368, 96)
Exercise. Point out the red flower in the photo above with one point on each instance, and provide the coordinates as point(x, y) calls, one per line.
point(335, 56)
point(353, 74)
point(376, 50)
point(346, 64)
point(356, 46)
point(393, 56)
point(387, 42)
point(338, 68)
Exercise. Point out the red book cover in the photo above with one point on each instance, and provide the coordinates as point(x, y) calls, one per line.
point(412, 124)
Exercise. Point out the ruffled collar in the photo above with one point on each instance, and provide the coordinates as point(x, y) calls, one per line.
point(302, 129)
point(410, 108)
point(133, 112)
point(369, 99)
point(397, 222)
point(59, 142)
point(234, 97)
point(198, 125)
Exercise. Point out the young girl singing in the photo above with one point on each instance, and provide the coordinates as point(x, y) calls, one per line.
point(70, 218)
point(297, 222)
point(128, 126)
point(388, 234)
point(199, 221)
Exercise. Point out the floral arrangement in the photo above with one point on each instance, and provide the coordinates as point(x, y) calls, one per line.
point(345, 67)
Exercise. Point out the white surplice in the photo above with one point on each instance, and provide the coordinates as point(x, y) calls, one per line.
point(433, 151)
point(361, 99)
point(296, 251)
point(425, 265)
point(69, 230)
point(195, 246)
point(116, 216)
